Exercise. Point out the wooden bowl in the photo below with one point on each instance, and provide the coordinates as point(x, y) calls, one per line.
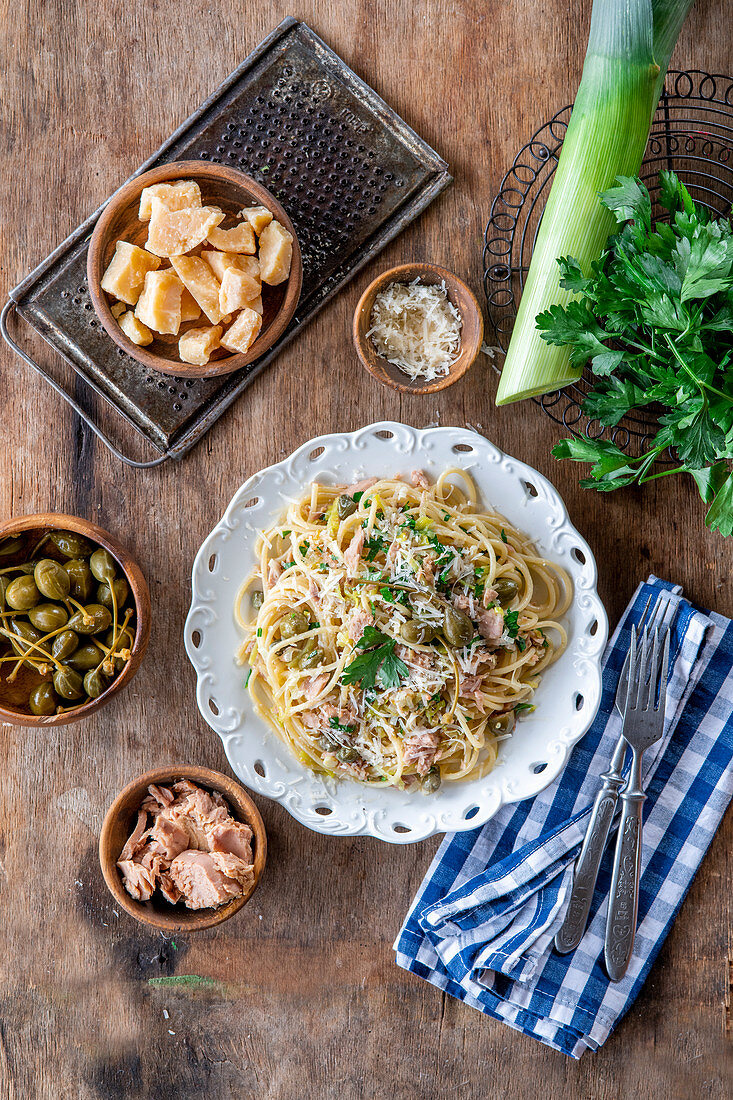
point(12, 708)
point(120, 820)
point(472, 331)
point(220, 186)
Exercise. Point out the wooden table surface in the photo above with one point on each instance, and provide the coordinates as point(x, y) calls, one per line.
point(298, 996)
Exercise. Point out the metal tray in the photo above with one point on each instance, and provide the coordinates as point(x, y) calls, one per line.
point(348, 170)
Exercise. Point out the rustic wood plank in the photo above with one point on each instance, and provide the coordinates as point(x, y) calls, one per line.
point(303, 997)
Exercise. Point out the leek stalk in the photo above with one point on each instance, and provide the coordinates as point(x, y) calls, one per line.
point(629, 49)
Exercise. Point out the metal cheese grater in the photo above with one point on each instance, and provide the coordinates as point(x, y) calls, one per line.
point(350, 173)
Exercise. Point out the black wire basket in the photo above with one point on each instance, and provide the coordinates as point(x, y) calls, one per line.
point(692, 134)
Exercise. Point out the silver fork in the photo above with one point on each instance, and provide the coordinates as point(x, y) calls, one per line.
point(588, 863)
point(643, 726)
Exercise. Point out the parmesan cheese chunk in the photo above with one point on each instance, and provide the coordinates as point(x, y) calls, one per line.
point(118, 309)
point(237, 290)
point(243, 333)
point(199, 279)
point(174, 196)
point(125, 275)
point(220, 261)
point(159, 305)
point(239, 239)
point(135, 330)
point(276, 253)
point(257, 216)
point(190, 309)
point(417, 328)
point(173, 232)
point(196, 345)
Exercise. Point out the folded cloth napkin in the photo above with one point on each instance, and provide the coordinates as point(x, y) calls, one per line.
point(482, 925)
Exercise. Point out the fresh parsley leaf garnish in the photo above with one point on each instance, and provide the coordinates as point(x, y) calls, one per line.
point(356, 497)
point(522, 707)
point(304, 547)
point(510, 623)
point(374, 545)
point(336, 725)
point(396, 596)
point(654, 320)
point(503, 535)
point(377, 662)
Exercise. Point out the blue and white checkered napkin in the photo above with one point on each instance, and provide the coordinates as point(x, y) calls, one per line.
point(482, 924)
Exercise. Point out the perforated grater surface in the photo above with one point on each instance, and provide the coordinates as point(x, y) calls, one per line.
point(350, 173)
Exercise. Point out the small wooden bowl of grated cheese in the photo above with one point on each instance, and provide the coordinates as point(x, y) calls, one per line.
point(418, 328)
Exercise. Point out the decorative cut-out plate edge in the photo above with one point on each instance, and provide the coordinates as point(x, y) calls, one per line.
point(568, 696)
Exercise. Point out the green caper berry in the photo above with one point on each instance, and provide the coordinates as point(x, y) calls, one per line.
point(52, 579)
point(502, 723)
point(124, 639)
point(64, 644)
point(95, 683)
point(68, 683)
point(42, 700)
point(22, 594)
point(293, 624)
point(70, 544)
point(82, 581)
point(258, 599)
point(347, 755)
point(85, 657)
point(92, 620)
point(345, 506)
point(48, 616)
point(431, 781)
point(102, 565)
point(13, 544)
point(416, 632)
point(457, 627)
point(506, 589)
point(104, 593)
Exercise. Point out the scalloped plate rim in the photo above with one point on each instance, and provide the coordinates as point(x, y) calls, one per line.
point(356, 819)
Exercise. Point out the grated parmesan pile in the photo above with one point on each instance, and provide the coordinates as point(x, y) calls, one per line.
point(416, 328)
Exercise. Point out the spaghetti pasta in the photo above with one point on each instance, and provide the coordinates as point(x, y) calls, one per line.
point(394, 632)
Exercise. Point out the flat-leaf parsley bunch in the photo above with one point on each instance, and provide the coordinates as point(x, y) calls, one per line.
point(655, 321)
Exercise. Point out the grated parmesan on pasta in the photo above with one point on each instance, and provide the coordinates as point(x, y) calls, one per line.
point(416, 328)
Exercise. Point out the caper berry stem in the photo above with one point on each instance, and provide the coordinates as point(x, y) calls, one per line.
point(111, 654)
point(114, 608)
point(37, 665)
point(31, 647)
point(38, 546)
point(86, 619)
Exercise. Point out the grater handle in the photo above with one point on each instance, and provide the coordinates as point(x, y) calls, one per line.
point(10, 307)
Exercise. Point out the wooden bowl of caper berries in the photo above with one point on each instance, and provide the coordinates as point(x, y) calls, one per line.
point(74, 619)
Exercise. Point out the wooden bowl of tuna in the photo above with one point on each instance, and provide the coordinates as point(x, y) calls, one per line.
point(194, 269)
point(182, 848)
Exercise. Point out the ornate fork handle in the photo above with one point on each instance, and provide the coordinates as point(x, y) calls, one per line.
point(623, 906)
point(586, 869)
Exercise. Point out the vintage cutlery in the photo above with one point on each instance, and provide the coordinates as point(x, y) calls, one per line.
point(643, 726)
point(573, 927)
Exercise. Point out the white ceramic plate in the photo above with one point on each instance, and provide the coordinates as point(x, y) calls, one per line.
point(566, 700)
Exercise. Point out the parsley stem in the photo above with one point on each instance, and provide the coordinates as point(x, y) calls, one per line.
point(662, 473)
point(698, 381)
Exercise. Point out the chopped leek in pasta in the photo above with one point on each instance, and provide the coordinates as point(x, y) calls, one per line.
point(395, 631)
